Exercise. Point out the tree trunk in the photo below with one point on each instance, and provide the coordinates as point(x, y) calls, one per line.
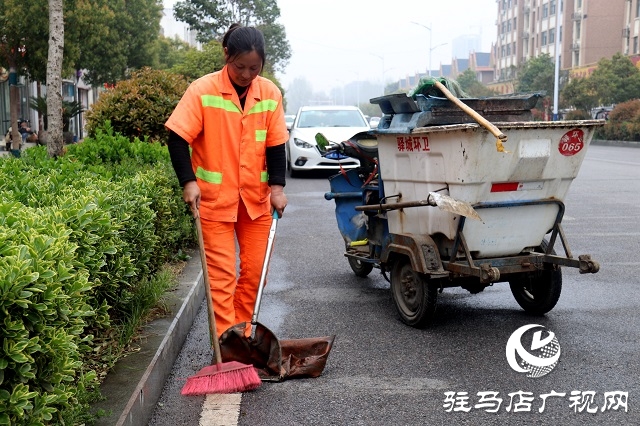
point(40, 115)
point(14, 102)
point(55, 143)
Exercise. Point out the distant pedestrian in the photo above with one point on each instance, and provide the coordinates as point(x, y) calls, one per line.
point(28, 135)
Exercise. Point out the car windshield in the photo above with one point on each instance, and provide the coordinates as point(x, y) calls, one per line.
point(331, 118)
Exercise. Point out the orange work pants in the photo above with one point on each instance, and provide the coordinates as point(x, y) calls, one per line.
point(233, 294)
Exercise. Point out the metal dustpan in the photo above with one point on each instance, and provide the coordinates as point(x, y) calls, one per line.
point(275, 360)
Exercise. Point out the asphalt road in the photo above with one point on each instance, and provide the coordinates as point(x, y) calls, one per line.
point(382, 372)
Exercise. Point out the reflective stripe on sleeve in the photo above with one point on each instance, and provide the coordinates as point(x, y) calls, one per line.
point(261, 135)
point(264, 176)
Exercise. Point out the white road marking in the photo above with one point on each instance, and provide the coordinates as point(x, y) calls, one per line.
point(221, 410)
point(604, 160)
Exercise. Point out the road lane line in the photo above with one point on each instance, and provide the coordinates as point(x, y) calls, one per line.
point(604, 160)
point(221, 410)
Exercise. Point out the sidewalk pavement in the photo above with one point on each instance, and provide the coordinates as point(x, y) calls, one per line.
point(133, 387)
point(25, 145)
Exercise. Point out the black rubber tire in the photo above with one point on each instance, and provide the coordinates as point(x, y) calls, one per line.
point(293, 173)
point(414, 294)
point(361, 269)
point(538, 292)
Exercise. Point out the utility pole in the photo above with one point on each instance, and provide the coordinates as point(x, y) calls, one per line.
point(557, 69)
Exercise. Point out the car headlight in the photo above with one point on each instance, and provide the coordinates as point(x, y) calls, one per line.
point(302, 144)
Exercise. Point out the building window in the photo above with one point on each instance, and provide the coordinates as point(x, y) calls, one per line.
point(514, 23)
point(509, 26)
point(552, 35)
point(638, 9)
point(545, 11)
point(552, 6)
point(635, 44)
point(579, 4)
point(578, 29)
point(543, 42)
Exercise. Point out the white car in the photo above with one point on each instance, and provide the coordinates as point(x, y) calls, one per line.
point(374, 121)
point(337, 123)
point(289, 120)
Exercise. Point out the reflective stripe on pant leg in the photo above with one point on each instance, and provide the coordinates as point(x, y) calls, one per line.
point(220, 248)
point(252, 239)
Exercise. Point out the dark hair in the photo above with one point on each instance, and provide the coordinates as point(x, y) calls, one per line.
point(239, 39)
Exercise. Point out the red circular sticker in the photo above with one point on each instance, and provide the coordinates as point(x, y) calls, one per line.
point(571, 142)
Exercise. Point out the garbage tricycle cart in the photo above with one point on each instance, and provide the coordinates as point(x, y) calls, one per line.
point(448, 205)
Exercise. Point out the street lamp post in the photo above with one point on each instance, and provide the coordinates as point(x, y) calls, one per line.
point(556, 74)
point(431, 50)
point(430, 39)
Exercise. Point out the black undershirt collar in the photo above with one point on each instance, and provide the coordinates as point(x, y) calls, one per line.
point(242, 93)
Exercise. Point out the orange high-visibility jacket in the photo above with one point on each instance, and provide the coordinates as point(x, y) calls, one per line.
point(228, 144)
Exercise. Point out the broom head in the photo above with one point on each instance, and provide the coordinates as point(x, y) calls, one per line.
point(226, 377)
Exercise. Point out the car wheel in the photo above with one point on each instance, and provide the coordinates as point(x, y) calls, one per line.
point(293, 173)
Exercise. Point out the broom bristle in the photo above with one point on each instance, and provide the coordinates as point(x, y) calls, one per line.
point(228, 377)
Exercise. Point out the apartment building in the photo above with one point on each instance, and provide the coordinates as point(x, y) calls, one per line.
point(585, 31)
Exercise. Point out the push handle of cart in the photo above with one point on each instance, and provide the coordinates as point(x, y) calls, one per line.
point(435, 199)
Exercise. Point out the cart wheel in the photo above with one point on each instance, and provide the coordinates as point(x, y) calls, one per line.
point(360, 268)
point(414, 294)
point(538, 292)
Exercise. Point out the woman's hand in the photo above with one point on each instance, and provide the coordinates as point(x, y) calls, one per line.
point(278, 199)
point(191, 196)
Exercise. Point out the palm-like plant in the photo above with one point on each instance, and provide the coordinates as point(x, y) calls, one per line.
point(69, 110)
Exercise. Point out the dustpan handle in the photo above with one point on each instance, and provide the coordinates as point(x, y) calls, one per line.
point(265, 267)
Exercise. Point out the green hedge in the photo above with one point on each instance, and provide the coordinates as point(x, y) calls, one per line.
point(78, 236)
point(623, 123)
point(139, 105)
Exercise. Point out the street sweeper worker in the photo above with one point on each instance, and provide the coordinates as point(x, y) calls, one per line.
point(233, 122)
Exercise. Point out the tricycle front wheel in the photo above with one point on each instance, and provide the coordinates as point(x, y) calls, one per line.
point(360, 268)
point(538, 292)
point(414, 294)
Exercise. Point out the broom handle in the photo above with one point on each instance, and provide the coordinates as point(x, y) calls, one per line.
point(213, 334)
point(480, 119)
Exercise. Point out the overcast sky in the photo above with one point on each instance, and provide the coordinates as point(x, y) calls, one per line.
point(338, 41)
point(335, 42)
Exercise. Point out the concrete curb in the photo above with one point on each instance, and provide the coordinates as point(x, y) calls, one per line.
point(133, 388)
